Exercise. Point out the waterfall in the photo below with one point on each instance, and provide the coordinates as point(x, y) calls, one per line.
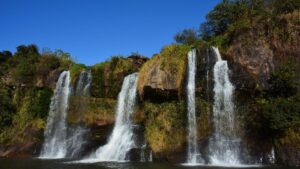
point(145, 154)
point(150, 156)
point(76, 134)
point(192, 152)
point(84, 83)
point(224, 146)
point(143, 149)
point(56, 128)
point(121, 139)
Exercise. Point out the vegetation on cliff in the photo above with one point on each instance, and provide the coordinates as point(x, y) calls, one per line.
point(259, 38)
point(109, 75)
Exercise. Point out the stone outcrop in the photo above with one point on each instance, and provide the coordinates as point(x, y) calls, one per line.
point(251, 63)
point(160, 85)
point(162, 78)
point(49, 80)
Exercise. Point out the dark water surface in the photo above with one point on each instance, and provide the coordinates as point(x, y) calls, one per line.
point(14, 163)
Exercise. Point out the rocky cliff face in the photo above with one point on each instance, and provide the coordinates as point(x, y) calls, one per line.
point(48, 81)
point(253, 56)
point(255, 60)
point(162, 78)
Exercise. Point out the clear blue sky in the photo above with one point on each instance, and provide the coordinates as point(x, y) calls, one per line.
point(93, 30)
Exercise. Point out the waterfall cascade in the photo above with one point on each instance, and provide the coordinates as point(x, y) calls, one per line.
point(56, 128)
point(193, 155)
point(76, 134)
point(84, 83)
point(224, 146)
point(121, 139)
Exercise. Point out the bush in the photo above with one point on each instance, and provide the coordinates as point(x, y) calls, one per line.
point(280, 114)
point(165, 126)
point(284, 81)
point(187, 36)
point(75, 71)
point(108, 76)
point(5, 55)
point(7, 109)
point(25, 72)
point(41, 100)
point(46, 64)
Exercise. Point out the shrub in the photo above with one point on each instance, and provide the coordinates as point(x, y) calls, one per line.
point(108, 76)
point(75, 71)
point(284, 81)
point(40, 102)
point(7, 109)
point(46, 64)
point(187, 36)
point(280, 114)
point(165, 126)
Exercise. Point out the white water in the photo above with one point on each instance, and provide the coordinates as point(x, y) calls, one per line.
point(84, 83)
point(56, 129)
point(121, 139)
point(150, 156)
point(146, 155)
point(224, 146)
point(193, 155)
point(76, 140)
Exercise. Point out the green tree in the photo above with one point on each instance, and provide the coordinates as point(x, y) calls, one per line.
point(5, 55)
point(187, 36)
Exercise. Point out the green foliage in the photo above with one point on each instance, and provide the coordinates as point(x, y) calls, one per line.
point(280, 114)
point(285, 6)
point(65, 59)
point(165, 126)
point(174, 58)
point(25, 72)
point(7, 109)
point(30, 53)
point(108, 76)
point(25, 58)
point(40, 102)
point(220, 41)
point(46, 64)
point(232, 17)
point(291, 138)
point(32, 108)
point(5, 55)
point(284, 80)
point(187, 36)
point(75, 71)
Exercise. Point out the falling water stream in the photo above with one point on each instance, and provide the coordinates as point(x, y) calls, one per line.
point(56, 129)
point(121, 139)
point(84, 83)
point(224, 146)
point(193, 156)
point(76, 134)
